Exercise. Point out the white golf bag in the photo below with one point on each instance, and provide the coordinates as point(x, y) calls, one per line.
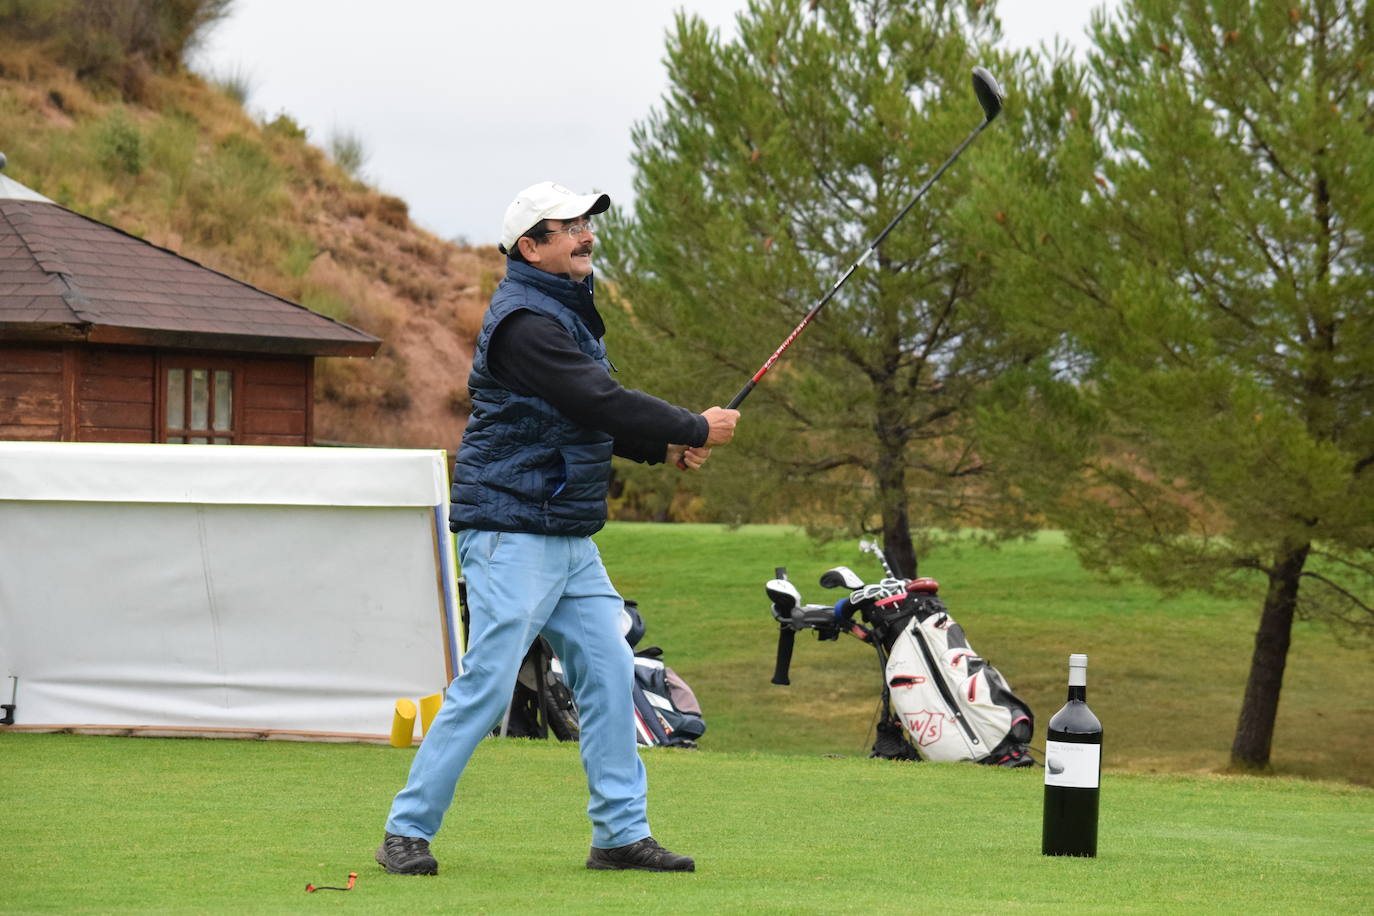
point(951, 702)
point(941, 701)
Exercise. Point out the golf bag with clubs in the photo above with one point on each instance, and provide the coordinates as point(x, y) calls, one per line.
point(941, 701)
point(666, 710)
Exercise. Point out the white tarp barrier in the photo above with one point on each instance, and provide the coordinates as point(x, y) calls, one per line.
point(223, 589)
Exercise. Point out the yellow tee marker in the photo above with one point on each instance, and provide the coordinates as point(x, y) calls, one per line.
point(403, 724)
point(429, 708)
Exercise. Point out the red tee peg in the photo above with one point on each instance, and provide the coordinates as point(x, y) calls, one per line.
point(352, 880)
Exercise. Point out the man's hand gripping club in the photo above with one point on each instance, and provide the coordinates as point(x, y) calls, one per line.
point(720, 430)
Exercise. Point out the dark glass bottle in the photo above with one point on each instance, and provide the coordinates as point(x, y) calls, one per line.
point(1073, 770)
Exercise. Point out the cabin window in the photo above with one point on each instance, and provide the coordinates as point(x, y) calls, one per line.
point(200, 406)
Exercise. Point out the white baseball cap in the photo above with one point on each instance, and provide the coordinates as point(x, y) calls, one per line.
point(546, 200)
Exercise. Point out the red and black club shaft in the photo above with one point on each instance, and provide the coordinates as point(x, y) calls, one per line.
point(990, 98)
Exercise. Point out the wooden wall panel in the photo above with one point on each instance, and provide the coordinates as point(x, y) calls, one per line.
point(280, 371)
point(112, 434)
point(130, 363)
point(116, 388)
point(110, 394)
point(115, 415)
point(274, 422)
point(275, 396)
point(261, 439)
point(31, 393)
point(115, 398)
point(31, 432)
point(30, 386)
point(30, 359)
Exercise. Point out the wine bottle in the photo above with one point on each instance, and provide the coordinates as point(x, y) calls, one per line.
point(1073, 770)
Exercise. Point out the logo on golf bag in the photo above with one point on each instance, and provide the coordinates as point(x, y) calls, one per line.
point(926, 726)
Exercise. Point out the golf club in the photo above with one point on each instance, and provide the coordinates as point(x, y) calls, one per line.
point(990, 98)
point(873, 548)
point(841, 577)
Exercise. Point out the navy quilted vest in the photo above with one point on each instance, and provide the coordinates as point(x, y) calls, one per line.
point(522, 465)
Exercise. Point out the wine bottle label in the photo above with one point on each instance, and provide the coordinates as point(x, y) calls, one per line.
point(1074, 766)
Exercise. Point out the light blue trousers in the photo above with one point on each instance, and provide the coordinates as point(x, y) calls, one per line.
point(518, 586)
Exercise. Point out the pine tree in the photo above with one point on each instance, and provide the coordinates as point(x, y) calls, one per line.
point(775, 159)
point(1196, 240)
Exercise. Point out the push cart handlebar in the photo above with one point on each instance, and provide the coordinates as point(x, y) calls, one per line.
point(786, 638)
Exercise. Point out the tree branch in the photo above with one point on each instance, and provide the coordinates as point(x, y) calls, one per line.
point(1343, 592)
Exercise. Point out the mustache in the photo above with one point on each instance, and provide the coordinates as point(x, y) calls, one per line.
point(582, 249)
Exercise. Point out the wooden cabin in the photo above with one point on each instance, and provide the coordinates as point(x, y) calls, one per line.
point(107, 338)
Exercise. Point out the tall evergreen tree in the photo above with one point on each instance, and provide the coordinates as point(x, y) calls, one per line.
point(774, 160)
point(1197, 242)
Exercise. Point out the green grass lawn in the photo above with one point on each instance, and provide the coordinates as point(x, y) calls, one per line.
point(145, 825)
point(781, 806)
point(1166, 677)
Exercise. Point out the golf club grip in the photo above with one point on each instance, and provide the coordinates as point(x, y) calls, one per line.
point(739, 398)
point(733, 405)
point(786, 637)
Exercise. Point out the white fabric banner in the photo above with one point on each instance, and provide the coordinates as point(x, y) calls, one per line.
point(236, 475)
point(135, 592)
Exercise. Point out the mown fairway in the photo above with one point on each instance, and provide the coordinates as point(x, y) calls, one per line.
point(131, 825)
point(781, 806)
point(1164, 676)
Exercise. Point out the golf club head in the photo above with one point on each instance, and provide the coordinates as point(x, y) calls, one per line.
point(784, 596)
point(874, 548)
point(841, 577)
point(989, 93)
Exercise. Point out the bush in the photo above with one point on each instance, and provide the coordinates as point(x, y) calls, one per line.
point(300, 254)
point(110, 41)
point(393, 211)
point(171, 144)
point(283, 125)
point(346, 149)
point(119, 145)
point(235, 83)
point(327, 303)
point(235, 190)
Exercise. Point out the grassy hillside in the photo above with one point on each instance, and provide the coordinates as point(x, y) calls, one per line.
point(1166, 677)
point(166, 156)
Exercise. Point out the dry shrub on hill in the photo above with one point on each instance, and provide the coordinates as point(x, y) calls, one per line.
point(119, 44)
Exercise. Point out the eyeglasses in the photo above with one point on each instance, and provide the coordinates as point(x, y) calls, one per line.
point(576, 230)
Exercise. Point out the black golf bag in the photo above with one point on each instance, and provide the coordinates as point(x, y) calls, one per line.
point(542, 702)
point(941, 701)
point(666, 710)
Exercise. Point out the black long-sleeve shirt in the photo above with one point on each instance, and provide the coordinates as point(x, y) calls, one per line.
point(534, 355)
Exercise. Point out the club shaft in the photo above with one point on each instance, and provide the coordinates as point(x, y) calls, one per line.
point(830, 294)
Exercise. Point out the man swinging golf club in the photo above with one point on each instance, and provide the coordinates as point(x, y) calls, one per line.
point(529, 490)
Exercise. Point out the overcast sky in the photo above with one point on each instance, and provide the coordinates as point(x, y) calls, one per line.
point(460, 104)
